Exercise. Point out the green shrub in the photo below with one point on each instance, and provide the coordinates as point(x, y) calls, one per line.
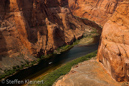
point(50, 78)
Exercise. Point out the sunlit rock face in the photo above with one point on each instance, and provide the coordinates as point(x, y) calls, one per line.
point(113, 50)
point(31, 28)
point(113, 16)
point(98, 11)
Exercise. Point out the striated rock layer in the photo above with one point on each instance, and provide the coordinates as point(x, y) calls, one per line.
point(113, 50)
point(88, 73)
point(113, 15)
point(95, 10)
point(31, 28)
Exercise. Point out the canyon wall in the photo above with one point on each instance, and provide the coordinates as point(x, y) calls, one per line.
point(31, 28)
point(98, 11)
point(113, 16)
point(113, 51)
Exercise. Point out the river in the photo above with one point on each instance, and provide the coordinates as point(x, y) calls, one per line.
point(50, 64)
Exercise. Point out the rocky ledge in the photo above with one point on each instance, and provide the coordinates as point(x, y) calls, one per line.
point(113, 15)
point(88, 73)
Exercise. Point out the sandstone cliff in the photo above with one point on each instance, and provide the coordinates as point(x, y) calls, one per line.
point(113, 51)
point(113, 15)
point(95, 10)
point(31, 28)
point(87, 73)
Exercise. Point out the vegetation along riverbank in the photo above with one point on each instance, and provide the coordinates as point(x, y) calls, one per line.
point(87, 37)
point(50, 78)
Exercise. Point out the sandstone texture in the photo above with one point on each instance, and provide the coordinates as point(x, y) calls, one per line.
point(113, 16)
point(113, 50)
point(98, 11)
point(88, 73)
point(31, 28)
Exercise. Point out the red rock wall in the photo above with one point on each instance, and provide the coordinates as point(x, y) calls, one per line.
point(31, 28)
point(114, 48)
point(95, 10)
point(113, 15)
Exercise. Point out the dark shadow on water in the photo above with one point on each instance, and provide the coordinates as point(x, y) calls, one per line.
point(55, 61)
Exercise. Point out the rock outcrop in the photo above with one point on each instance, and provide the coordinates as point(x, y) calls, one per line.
point(88, 73)
point(113, 50)
point(113, 15)
point(98, 11)
point(31, 28)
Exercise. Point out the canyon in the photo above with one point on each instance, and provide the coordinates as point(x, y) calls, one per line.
point(30, 29)
point(112, 15)
point(98, 11)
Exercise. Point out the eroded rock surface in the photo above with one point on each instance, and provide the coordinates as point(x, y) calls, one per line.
point(113, 50)
point(31, 28)
point(113, 15)
point(88, 73)
point(95, 10)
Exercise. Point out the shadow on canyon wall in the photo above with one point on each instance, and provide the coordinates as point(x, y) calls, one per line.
point(4, 6)
point(38, 17)
point(3, 47)
point(92, 24)
point(35, 17)
point(55, 3)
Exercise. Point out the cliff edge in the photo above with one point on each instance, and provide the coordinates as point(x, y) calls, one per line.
point(113, 16)
point(113, 50)
point(32, 28)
